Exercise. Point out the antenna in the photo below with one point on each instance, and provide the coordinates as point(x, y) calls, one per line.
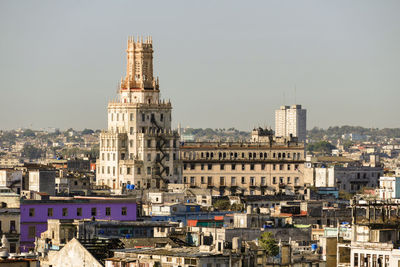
point(284, 99)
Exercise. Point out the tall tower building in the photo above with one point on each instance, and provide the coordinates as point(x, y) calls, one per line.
point(291, 120)
point(139, 147)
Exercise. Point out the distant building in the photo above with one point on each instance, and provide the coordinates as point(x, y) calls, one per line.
point(350, 179)
point(11, 178)
point(291, 120)
point(35, 213)
point(389, 187)
point(139, 147)
point(43, 181)
point(265, 166)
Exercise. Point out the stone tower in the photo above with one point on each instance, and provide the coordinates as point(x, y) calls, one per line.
point(139, 147)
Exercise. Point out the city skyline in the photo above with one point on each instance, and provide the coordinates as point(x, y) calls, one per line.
point(61, 62)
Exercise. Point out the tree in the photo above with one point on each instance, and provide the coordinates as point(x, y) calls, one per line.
point(31, 152)
point(269, 243)
point(222, 204)
point(29, 133)
point(322, 147)
point(87, 131)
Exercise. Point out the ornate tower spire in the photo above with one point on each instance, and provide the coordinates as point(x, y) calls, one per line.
point(139, 70)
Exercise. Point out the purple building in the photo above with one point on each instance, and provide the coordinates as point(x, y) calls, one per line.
point(34, 213)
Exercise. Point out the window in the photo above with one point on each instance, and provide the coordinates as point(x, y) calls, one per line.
point(79, 212)
point(288, 167)
point(202, 166)
point(148, 157)
point(128, 170)
point(263, 166)
point(281, 167)
point(252, 181)
point(131, 116)
point(221, 181)
point(252, 167)
point(233, 167)
point(148, 170)
point(289, 181)
point(139, 170)
point(243, 167)
point(296, 181)
point(32, 212)
point(161, 117)
point(210, 166)
point(50, 212)
point(12, 225)
point(13, 248)
point(281, 180)
point(94, 212)
point(143, 117)
point(263, 181)
point(243, 180)
point(222, 166)
point(274, 180)
point(131, 130)
point(148, 143)
point(123, 211)
point(65, 212)
point(31, 232)
point(202, 180)
point(192, 182)
point(233, 181)
point(273, 167)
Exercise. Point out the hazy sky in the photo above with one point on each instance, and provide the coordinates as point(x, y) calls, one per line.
point(222, 63)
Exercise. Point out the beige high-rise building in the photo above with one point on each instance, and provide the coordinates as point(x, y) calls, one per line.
point(291, 120)
point(139, 147)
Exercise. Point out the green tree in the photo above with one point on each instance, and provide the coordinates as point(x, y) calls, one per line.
point(29, 133)
point(321, 147)
point(87, 131)
point(269, 243)
point(31, 152)
point(222, 204)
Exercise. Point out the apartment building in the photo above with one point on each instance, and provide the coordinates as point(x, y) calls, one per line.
point(266, 165)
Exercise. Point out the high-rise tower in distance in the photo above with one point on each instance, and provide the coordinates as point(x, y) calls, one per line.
point(139, 147)
point(291, 120)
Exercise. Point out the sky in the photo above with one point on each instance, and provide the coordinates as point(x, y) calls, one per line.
point(221, 63)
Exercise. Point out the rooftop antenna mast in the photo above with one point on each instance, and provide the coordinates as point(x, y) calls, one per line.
point(284, 99)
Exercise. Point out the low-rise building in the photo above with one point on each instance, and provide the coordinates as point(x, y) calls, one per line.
point(35, 213)
point(389, 187)
point(42, 180)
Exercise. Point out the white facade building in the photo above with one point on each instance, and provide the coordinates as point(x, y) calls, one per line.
point(291, 120)
point(139, 147)
point(389, 187)
point(350, 179)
